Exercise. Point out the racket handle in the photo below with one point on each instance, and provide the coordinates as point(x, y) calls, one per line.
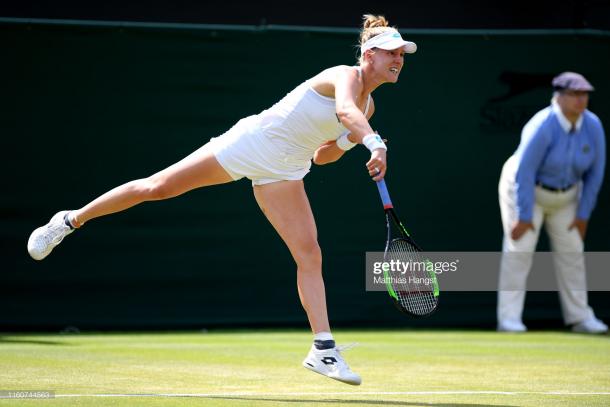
point(385, 195)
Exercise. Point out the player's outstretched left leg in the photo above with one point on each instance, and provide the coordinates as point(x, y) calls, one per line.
point(45, 238)
point(199, 169)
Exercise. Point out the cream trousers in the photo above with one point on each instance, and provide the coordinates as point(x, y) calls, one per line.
point(557, 211)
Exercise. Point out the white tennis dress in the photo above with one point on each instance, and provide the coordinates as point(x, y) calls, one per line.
point(278, 143)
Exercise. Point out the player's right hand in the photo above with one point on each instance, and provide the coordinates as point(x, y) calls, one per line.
point(377, 164)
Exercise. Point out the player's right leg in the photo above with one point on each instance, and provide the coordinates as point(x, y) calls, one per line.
point(196, 170)
point(287, 208)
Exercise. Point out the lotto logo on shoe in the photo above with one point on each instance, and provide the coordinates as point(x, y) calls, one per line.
point(329, 360)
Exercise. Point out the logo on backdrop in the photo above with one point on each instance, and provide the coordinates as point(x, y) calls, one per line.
point(524, 96)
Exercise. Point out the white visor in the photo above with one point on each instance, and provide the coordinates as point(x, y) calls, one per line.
point(389, 39)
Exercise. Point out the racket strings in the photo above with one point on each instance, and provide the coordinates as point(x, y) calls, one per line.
point(412, 282)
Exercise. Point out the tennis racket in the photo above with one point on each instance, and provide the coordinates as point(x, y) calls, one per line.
point(411, 281)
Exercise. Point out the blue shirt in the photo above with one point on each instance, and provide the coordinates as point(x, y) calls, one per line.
point(552, 155)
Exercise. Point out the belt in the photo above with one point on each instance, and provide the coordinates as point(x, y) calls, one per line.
point(553, 189)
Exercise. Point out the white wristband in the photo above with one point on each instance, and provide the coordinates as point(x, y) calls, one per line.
point(344, 144)
point(373, 142)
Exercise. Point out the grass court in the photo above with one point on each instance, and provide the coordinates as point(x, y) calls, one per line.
point(263, 368)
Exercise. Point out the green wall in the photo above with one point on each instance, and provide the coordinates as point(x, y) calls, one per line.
point(86, 107)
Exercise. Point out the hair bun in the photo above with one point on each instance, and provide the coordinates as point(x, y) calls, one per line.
point(372, 21)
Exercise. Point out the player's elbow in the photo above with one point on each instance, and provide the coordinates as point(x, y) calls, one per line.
point(344, 114)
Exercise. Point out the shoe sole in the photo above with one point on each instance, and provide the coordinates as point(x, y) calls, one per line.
point(307, 366)
point(32, 250)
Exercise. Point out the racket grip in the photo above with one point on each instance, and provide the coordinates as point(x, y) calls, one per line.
point(385, 195)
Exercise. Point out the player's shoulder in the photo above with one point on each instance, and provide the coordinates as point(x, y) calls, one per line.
point(347, 70)
point(333, 72)
point(350, 68)
point(339, 68)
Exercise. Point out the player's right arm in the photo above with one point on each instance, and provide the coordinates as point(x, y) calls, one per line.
point(348, 85)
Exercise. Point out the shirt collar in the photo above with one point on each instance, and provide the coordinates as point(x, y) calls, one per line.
point(565, 124)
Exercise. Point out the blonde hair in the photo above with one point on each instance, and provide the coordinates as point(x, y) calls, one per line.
point(372, 25)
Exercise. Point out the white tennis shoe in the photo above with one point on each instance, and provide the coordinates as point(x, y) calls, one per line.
point(511, 325)
point(590, 326)
point(45, 238)
point(329, 362)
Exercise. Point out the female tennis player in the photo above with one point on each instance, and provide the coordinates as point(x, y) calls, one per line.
point(320, 119)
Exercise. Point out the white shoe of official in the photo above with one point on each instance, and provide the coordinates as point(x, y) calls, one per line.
point(590, 326)
point(45, 238)
point(329, 362)
point(511, 325)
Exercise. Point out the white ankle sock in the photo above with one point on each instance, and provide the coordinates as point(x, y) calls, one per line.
point(323, 336)
point(71, 220)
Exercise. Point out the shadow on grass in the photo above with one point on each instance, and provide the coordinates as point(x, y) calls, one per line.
point(354, 402)
point(27, 341)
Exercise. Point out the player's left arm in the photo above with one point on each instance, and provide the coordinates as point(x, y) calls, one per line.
point(329, 152)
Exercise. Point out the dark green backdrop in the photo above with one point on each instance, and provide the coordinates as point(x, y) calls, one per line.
point(86, 107)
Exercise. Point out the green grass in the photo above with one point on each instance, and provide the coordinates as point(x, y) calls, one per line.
point(262, 368)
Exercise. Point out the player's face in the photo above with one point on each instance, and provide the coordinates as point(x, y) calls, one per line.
point(389, 63)
point(573, 102)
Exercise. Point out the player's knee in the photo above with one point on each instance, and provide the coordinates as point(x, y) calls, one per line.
point(309, 256)
point(156, 188)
